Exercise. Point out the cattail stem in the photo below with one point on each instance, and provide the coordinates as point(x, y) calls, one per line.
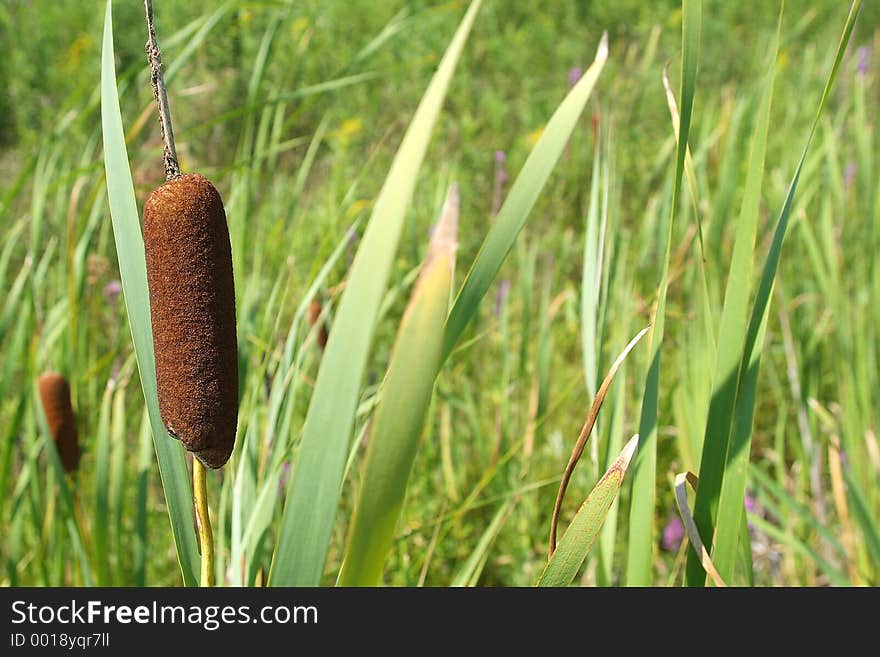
point(169, 156)
point(203, 520)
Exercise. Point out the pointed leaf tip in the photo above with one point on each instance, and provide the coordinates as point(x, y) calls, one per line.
point(444, 238)
point(628, 451)
point(602, 50)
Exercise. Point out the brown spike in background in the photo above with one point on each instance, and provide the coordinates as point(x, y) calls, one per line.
point(55, 397)
point(315, 309)
point(192, 304)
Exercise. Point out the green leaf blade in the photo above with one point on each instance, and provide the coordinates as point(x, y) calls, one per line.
point(519, 202)
point(400, 416)
point(316, 478)
point(581, 534)
point(746, 387)
point(639, 568)
point(133, 273)
point(731, 339)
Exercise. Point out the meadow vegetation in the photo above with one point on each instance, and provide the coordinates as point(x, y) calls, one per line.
point(766, 371)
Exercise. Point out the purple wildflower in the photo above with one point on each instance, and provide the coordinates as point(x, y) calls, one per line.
point(863, 55)
point(112, 291)
point(751, 505)
point(501, 297)
point(285, 476)
point(500, 170)
point(574, 74)
point(850, 174)
point(673, 534)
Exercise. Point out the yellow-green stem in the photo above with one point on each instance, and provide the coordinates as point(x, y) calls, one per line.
point(206, 537)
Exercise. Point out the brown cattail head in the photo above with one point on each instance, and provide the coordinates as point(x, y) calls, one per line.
point(192, 303)
point(55, 397)
point(314, 313)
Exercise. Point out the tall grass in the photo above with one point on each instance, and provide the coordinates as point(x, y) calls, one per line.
point(425, 444)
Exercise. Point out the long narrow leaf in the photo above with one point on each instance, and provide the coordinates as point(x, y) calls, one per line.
point(641, 514)
point(520, 200)
point(740, 440)
point(133, 272)
point(581, 534)
point(586, 431)
point(400, 416)
point(473, 567)
point(590, 284)
point(316, 478)
point(687, 518)
point(732, 335)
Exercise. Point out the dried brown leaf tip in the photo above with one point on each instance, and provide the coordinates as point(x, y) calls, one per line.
point(55, 398)
point(315, 309)
point(192, 304)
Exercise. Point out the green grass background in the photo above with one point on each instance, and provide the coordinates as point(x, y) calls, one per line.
point(297, 165)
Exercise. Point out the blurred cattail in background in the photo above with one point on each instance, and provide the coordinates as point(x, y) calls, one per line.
point(192, 303)
point(55, 398)
point(97, 268)
point(314, 315)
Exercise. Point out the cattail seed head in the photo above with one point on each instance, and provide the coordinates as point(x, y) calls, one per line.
point(55, 397)
point(192, 304)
